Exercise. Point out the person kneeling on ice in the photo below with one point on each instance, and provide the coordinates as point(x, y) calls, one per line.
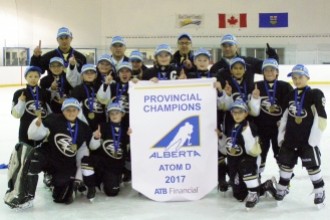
point(303, 121)
point(243, 155)
point(67, 137)
point(104, 166)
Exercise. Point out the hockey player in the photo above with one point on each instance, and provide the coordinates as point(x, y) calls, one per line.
point(138, 67)
point(303, 121)
point(30, 102)
point(237, 87)
point(104, 166)
point(56, 83)
point(240, 142)
point(273, 93)
point(92, 109)
point(106, 71)
point(67, 137)
point(119, 94)
point(163, 69)
point(64, 50)
point(201, 61)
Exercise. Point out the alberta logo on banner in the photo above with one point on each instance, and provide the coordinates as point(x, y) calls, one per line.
point(273, 20)
point(173, 140)
point(232, 20)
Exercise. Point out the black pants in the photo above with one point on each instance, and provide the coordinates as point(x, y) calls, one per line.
point(104, 174)
point(62, 175)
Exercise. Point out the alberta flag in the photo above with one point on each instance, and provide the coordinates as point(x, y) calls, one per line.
point(273, 20)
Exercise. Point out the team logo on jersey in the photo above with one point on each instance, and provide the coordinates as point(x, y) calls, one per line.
point(97, 107)
point(268, 108)
point(63, 143)
point(293, 110)
point(184, 134)
point(30, 108)
point(109, 149)
point(233, 150)
point(237, 96)
point(123, 101)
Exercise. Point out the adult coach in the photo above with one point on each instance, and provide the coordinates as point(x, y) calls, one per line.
point(229, 46)
point(184, 56)
point(118, 48)
point(64, 50)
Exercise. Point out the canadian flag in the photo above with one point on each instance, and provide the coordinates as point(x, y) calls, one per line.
point(232, 21)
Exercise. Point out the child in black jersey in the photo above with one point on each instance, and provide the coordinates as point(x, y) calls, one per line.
point(272, 93)
point(66, 136)
point(303, 121)
point(108, 148)
point(163, 69)
point(56, 83)
point(30, 102)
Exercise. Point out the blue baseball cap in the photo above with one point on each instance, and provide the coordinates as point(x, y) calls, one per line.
point(136, 56)
point(163, 48)
point(115, 106)
point(118, 40)
point(239, 104)
point(32, 69)
point(299, 69)
point(202, 51)
point(237, 60)
point(63, 31)
point(56, 60)
point(70, 102)
point(87, 67)
point(124, 64)
point(270, 62)
point(229, 39)
point(184, 35)
point(105, 57)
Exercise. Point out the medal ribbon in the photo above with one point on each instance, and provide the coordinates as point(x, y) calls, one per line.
point(90, 98)
point(120, 92)
point(61, 87)
point(66, 63)
point(243, 95)
point(74, 134)
point(299, 104)
point(116, 137)
point(35, 96)
point(161, 76)
point(199, 75)
point(234, 134)
point(271, 97)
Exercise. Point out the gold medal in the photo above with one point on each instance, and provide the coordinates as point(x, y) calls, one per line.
point(37, 113)
point(74, 147)
point(298, 120)
point(91, 115)
point(272, 108)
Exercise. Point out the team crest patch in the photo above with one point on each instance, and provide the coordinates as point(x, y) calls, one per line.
point(109, 149)
point(268, 108)
point(293, 111)
point(64, 144)
point(184, 134)
point(97, 107)
point(30, 108)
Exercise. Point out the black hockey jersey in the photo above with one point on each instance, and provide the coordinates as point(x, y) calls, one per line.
point(63, 90)
point(162, 73)
point(272, 95)
point(30, 107)
point(92, 109)
point(114, 141)
point(299, 123)
point(59, 143)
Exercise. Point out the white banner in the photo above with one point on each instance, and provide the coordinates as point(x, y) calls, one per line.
point(173, 142)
